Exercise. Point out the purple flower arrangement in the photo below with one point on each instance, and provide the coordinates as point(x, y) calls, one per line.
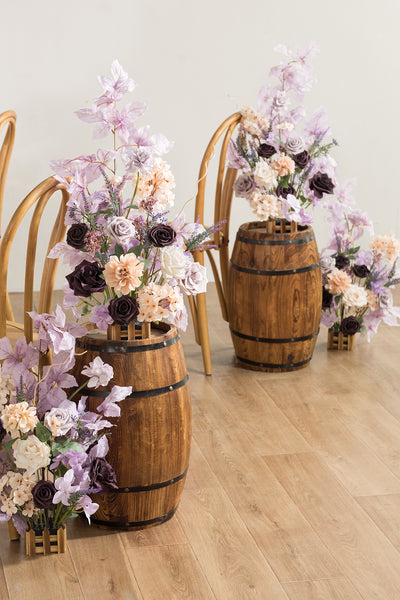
point(284, 160)
point(52, 449)
point(129, 262)
point(357, 283)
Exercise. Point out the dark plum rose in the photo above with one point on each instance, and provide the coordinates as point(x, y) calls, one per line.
point(102, 475)
point(321, 184)
point(350, 325)
point(326, 299)
point(361, 271)
point(43, 494)
point(341, 261)
point(282, 192)
point(76, 235)
point(86, 279)
point(123, 309)
point(266, 151)
point(301, 159)
point(161, 235)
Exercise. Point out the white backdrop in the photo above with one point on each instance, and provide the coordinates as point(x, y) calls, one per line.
point(195, 63)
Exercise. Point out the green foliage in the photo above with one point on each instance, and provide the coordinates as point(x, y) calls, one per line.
point(42, 432)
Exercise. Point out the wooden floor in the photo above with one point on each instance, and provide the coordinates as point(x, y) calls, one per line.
point(293, 491)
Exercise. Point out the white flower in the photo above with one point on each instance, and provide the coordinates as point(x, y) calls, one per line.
point(173, 263)
point(355, 296)
point(20, 496)
point(195, 280)
point(31, 454)
point(29, 509)
point(285, 125)
point(99, 372)
point(264, 175)
point(58, 420)
point(7, 506)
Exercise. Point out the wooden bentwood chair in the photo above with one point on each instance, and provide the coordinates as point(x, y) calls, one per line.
point(36, 199)
point(222, 210)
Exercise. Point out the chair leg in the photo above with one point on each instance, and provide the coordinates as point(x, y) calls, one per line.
point(203, 332)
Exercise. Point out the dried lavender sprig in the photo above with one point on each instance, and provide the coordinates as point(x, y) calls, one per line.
point(198, 238)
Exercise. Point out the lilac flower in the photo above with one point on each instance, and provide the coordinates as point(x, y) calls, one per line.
point(85, 503)
point(99, 373)
point(120, 121)
point(361, 222)
point(69, 459)
point(116, 86)
point(70, 256)
point(234, 160)
point(317, 125)
point(99, 450)
point(101, 317)
point(64, 488)
point(54, 332)
point(19, 362)
point(137, 159)
point(292, 210)
point(109, 407)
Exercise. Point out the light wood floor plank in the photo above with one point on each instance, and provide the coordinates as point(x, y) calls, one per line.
point(50, 577)
point(3, 586)
point(102, 566)
point(314, 412)
point(385, 512)
point(364, 554)
point(169, 533)
point(234, 565)
point(259, 417)
point(169, 572)
point(286, 539)
point(326, 589)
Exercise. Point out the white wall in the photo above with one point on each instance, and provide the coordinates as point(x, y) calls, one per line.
point(190, 58)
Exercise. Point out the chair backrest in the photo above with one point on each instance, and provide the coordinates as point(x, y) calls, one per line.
point(37, 198)
point(7, 119)
point(222, 203)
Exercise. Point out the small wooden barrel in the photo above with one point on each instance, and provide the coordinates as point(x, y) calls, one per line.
point(150, 446)
point(274, 297)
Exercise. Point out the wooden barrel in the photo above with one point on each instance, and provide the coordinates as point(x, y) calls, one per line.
point(274, 297)
point(150, 446)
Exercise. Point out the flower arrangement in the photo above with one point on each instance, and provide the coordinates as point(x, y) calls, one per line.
point(283, 160)
point(130, 263)
point(356, 282)
point(52, 450)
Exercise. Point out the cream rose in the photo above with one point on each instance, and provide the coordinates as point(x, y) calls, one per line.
point(31, 454)
point(355, 296)
point(173, 263)
point(264, 175)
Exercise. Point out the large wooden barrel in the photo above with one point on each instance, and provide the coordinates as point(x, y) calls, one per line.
point(274, 297)
point(150, 446)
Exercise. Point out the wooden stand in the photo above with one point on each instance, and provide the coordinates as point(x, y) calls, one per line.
point(114, 332)
point(12, 532)
point(340, 341)
point(46, 542)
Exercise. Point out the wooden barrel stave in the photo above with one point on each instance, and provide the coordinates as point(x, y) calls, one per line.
point(150, 446)
point(274, 298)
